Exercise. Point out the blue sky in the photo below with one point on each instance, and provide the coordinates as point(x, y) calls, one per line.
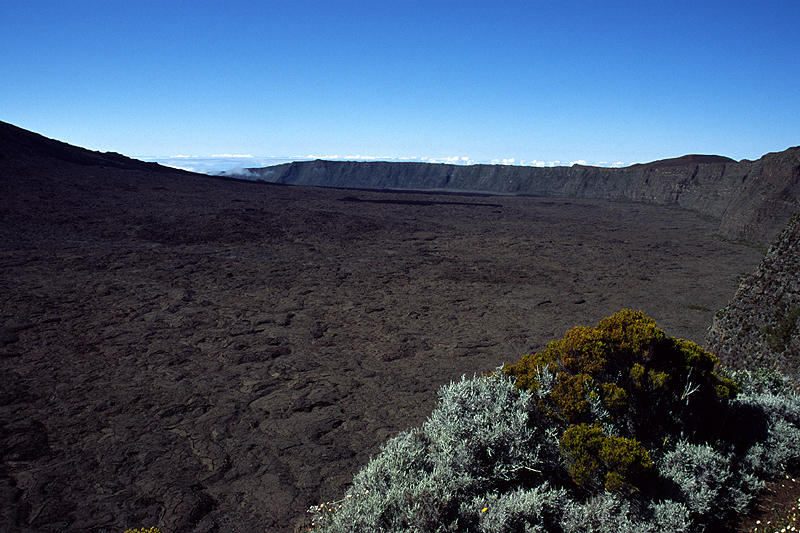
point(539, 82)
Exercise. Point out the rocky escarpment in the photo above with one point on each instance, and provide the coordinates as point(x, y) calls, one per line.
point(752, 199)
point(761, 325)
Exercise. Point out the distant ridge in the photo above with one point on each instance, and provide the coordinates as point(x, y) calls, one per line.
point(691, 159)
point(752, 199)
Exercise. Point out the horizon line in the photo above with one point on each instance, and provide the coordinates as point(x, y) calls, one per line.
point(217, 163)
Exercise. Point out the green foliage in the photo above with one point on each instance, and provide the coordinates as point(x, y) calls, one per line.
point(645, 381)
point(535, 510)
point(570, 396)
point(614, 398)
point(609, 512)
point(590, 452)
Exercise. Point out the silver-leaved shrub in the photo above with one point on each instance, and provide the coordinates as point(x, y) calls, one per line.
point(488, 460)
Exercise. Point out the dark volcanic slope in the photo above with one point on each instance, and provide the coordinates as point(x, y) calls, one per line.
point(192, 353)
point(761, 325)
point(20, 149)
point(751, 199)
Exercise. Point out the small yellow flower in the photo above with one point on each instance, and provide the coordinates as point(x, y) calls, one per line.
point(484, 509)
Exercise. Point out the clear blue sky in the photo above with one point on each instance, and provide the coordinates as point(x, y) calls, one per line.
point(601, 82)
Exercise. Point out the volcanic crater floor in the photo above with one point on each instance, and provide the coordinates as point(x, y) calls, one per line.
point(203, 354)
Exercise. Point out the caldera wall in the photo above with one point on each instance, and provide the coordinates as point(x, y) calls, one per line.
point(752, 199)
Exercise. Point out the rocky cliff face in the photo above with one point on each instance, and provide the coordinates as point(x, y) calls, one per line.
point(752, 199)
point(760, 327)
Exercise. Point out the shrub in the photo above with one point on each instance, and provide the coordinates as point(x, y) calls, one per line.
point(613, 428)
point(612, 513)
point(704, 481)
point(589, 451)
point(776, 404)
point(644, 380)
point(537, 510)
point(480, 440)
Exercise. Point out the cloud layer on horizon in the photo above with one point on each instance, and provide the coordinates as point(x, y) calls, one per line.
point(239, 163)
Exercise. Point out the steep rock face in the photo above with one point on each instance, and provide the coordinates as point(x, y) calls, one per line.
point(761, 325)
point(768, 196)
point(752, 199)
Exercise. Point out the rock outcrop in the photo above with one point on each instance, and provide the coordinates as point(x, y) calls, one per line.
point(752, 199)
point(760, 327)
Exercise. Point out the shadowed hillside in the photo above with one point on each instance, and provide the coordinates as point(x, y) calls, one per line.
point(21, 148)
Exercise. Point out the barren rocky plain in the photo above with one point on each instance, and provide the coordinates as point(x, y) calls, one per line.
point(202, 354)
